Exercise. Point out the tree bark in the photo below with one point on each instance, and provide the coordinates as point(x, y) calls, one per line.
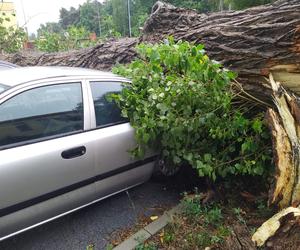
point(102, 57)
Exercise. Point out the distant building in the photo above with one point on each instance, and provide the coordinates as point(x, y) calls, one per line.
point(8, 13)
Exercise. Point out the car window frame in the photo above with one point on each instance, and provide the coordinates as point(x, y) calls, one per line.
point(50, 82)
point(91, 102)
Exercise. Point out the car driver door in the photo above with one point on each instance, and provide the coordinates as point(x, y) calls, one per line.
point(47, 165)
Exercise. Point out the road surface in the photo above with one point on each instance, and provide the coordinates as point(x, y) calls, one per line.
point(95, 224)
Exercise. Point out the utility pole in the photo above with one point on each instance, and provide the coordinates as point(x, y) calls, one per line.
point(129, 17)
point(25, 18)
point(99, 21)
point(221, 5)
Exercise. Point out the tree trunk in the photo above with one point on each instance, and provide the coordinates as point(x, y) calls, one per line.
point(252, 42)
point(285, 128)
point(102, 57)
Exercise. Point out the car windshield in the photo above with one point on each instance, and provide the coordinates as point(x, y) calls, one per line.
point(3, 88)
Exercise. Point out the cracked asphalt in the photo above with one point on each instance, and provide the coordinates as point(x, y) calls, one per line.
point(95, 224)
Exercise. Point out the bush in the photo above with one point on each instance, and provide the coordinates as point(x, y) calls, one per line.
point(11, 39)
point(180, 103)
point(73, 38)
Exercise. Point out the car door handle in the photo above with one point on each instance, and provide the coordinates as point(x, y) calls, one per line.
point(73, 152)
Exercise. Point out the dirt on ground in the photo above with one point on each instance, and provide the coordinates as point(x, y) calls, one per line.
point(226, 221)
point(205, 227)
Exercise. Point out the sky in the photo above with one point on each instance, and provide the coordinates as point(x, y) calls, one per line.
point(41, 11)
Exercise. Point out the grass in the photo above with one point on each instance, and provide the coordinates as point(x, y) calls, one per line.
point(193, 228)
point(200, 226)
point(146, 246)
point(213, 225)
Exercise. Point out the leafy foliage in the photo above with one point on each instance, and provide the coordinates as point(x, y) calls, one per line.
point(180, 103)
point(218, 5)
point(74, 38)
point(49, 27)
point(192, 207)
point(11, 39)
point(242, 4)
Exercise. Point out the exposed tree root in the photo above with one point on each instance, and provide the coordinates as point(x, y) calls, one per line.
point(285, 219)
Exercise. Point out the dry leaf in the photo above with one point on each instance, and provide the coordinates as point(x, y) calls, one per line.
point(153, 218)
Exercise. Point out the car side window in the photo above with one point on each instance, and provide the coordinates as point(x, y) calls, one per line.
point(107, 113)
point(41, 112)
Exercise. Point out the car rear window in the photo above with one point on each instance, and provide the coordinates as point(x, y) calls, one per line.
point(107, 112)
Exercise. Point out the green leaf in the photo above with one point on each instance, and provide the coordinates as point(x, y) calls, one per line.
point(257, 126)
point(180, 104)
point(207, 157)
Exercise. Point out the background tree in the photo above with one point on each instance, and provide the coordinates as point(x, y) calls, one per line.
point(89, 16)
point(50, 27)
point(69, 17)
point(243, 4)
point(73, 38)
point(120, 16)
point(218, 5)
point(201, 6)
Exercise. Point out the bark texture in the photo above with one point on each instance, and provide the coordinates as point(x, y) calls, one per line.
point(102, 57)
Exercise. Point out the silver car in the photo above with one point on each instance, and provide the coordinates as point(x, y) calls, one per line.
point(63, 146)
point(7, 65)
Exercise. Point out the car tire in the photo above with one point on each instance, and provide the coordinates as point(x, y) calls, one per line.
point(164, 168)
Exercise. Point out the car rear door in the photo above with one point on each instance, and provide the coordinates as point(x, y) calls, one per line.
point(115, 168)
point(47, 161)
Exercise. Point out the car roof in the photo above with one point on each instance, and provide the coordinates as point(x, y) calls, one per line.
point(7, 65)
point(20, 75)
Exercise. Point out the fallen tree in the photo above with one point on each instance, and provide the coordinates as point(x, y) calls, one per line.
point(103, 56)
point(285, 128)
point(253, 42)
point(261, 44)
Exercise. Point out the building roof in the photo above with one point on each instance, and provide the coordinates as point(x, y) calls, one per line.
point(7, 10)
point(7, 6)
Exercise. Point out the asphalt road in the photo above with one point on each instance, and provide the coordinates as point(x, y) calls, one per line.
point(95, 224)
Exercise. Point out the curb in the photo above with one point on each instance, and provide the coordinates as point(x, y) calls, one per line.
point(148, 231)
